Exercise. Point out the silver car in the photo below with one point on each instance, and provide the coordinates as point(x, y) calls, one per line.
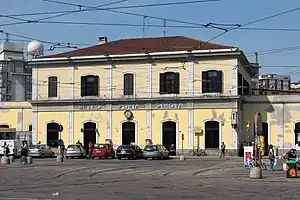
point(155, 151)
point(75, 150)
point(40, 150)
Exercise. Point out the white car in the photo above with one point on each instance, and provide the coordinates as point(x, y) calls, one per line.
point(75, 150)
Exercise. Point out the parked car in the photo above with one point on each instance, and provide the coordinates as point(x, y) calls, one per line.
point(75, 150)
point(103, 151)
point(155, 152)
point(129, 152)
point(40, 150)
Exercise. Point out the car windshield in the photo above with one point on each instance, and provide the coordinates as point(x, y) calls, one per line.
point(35, 147)
point(150, 148)
point(124, 147)
point(99, 146)
point(73, 146)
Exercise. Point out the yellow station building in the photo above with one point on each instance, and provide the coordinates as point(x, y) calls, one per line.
point(172, 90)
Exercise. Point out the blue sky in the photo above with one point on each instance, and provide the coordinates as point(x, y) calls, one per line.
point(225, 11)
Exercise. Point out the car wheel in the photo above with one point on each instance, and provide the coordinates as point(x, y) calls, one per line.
point(119, 158)
point(42, 156)
point(161, 157)
point(67, 157)
point(53, 155)
point(145, 158)
point(93, 157)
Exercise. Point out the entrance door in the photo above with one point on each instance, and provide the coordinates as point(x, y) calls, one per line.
point(212, 139)
point(265, 129)
point(52, 134)
point(128, 133)
point(89, 133)
point(169, 134)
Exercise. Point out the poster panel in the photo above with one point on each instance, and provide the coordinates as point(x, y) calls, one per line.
point(248, 152)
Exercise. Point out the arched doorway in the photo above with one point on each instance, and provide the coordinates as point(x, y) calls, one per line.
point(89, 133)
point(52, 134)
point(212, 135)
point(128, 133)
point(265, 130)
point(169, 134)
point(297, 132)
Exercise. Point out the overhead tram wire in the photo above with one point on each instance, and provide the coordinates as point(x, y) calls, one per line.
point(140, 15)
point(120, 7)
point(254, 22)
point(79, 10)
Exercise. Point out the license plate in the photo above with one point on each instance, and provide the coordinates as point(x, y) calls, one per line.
point(123, 152)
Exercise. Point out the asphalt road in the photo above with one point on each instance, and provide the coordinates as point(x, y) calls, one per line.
point(206, 177)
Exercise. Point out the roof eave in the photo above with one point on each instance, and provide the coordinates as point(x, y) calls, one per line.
point(44, 61)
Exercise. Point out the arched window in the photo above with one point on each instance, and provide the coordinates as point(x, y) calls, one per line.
point(169, 83)
point(89, 85)
point(212, 81)
point(52, 86)
point(128, 84)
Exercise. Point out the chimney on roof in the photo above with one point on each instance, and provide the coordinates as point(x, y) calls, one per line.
point(102, 40)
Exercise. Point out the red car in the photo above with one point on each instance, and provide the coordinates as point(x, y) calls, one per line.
point(103, 151)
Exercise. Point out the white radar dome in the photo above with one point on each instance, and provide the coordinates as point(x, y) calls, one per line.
point(35, 48)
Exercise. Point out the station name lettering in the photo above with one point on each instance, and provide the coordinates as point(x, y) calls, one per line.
point(89, 107)
point(168, 105)
point(128, 106)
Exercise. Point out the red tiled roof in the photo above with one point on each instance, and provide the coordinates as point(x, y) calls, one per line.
point(142, 45)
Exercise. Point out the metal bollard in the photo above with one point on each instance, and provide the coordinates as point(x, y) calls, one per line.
point(23, 160)
point(5, 160)
point(59, 158)
point(182, 157)
point(12, 159)
point(29, 159)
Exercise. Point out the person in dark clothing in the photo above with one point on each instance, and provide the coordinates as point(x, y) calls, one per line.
point(79, 143)
point(223, 149)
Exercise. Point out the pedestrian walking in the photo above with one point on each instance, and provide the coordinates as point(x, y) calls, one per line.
point(271, 157)
point(223, 149)
point(90, 150)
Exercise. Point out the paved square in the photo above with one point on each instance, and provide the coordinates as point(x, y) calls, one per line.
point(205, 177)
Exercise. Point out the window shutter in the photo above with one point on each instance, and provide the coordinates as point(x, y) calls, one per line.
point(128, 84)
point(83, 86)
point(162, 83)
point(219, 83)
point(96, 86)
point(177, 83)
point(204, 82)
point(52, 86)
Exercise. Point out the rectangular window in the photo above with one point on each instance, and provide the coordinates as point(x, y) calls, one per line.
point(212, 81)
point(169, 83)
point(89, 85)
point(128, 85)
point(52, 86)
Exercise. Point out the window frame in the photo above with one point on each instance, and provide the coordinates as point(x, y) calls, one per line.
point(216, 85)
point(51, 85)
point(172, 88)
point(133, 84)
point(85, 91)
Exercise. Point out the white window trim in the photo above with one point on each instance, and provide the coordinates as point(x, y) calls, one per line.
point(134, 85)
point(99, 89)
point(58, 87)
point(180, 83)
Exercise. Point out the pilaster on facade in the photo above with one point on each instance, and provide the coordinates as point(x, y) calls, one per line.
point(191, 78)
point(190, 129)
point(235, 130)
point(109, 80)
point(280, 123)
point(149, 124)
point(71, 124)
point(35, 83)
point(71, 80)
point(149, 80)
point(34, 126)
point(20, 120)
point(108, 123)
point(234, 87)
